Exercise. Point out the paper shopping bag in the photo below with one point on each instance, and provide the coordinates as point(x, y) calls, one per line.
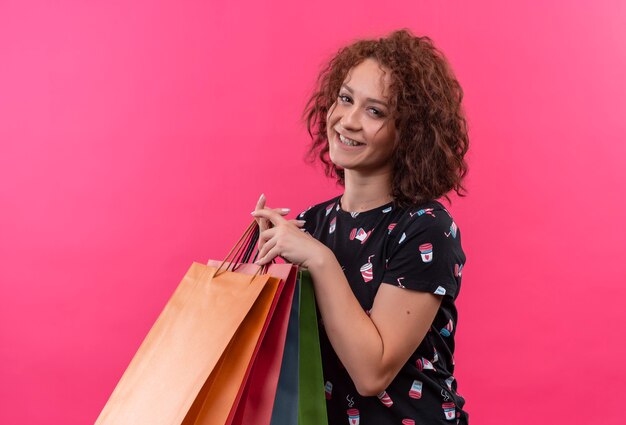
point(312, 399)
point(183, 347)
point(256, 399)
point(254, 376)
point(285, 408)
point(214, 402)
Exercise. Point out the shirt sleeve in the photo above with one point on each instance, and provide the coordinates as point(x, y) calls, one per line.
point(426, 255)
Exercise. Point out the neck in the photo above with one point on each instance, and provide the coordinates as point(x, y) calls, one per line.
point(364, 193)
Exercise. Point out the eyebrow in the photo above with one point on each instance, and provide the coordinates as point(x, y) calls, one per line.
point(369, 99)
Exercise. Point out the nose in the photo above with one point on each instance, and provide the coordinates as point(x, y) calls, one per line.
point(350, 119)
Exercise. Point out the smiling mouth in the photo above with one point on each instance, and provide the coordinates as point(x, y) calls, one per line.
point(349, 142)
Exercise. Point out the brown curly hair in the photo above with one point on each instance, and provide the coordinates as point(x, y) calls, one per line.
point(425, 103)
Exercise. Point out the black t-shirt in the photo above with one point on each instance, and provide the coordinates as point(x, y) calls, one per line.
point(417, 248)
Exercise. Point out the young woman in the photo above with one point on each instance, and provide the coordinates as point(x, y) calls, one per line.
point(385, 256)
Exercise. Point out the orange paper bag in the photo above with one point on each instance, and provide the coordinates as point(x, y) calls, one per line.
point(185, 344)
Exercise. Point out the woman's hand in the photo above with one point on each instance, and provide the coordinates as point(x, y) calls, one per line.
point(285, 238)
point(264, 223)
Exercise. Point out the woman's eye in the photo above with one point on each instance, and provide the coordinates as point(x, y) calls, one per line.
point(344, 98)
point(377, 113)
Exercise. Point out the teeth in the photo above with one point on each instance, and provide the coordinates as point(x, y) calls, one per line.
point(348, 142)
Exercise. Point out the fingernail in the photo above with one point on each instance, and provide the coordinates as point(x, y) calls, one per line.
point(301, 221)
point(253, 213)
point(285, 210)
point(262, 196)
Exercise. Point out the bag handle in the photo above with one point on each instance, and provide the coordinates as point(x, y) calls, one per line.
point(251, 247)
point(242, 249)
point(244, 255)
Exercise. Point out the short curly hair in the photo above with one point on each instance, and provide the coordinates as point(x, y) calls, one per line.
point(425, 103)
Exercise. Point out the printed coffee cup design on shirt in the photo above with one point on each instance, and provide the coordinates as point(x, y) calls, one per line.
point(449, 411)
point(424, 364)
point(408, 422)
point(359, 234)
point(329, 209)
point(385, 399)
point(453, 230)
point(419, 213)
point(399, 280)
point(333, 224)
point(458, 270)
point(416, 390)
point(353, 417)
point(426, 249)
point(449, 382)
point(447, 330)
point(328, 390)
point(367, 270)
point(391, 227)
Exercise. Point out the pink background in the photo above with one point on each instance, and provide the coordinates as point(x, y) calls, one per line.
point(137, 136)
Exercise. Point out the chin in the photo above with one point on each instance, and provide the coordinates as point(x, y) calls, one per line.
point(337, 161)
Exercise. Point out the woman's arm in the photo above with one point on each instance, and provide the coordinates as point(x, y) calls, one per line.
point(372, 348)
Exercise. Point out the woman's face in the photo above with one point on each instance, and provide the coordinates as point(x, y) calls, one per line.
point(361, 131)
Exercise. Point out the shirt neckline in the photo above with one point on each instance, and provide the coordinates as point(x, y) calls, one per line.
point(388, 207)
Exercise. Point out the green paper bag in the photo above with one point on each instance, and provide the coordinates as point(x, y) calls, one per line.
point(311, 398)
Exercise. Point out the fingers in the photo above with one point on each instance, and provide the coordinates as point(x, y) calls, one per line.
point(282, 211)
point(268, 219)
point(261, 202)
point(266, 235)
point(279, 211)
point(270, 241)
point(269, 256)
point(259, 206)
point(264, 222)
point(271, 215)
point(263, 252)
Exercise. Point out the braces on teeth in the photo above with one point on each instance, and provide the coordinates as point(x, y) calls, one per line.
point(348, 142)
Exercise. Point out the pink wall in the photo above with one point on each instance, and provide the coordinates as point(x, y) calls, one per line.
point(135, 139)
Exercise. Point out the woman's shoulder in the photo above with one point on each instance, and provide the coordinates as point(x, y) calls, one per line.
point(428, 233)
point(433, 212)
point(427, 220)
